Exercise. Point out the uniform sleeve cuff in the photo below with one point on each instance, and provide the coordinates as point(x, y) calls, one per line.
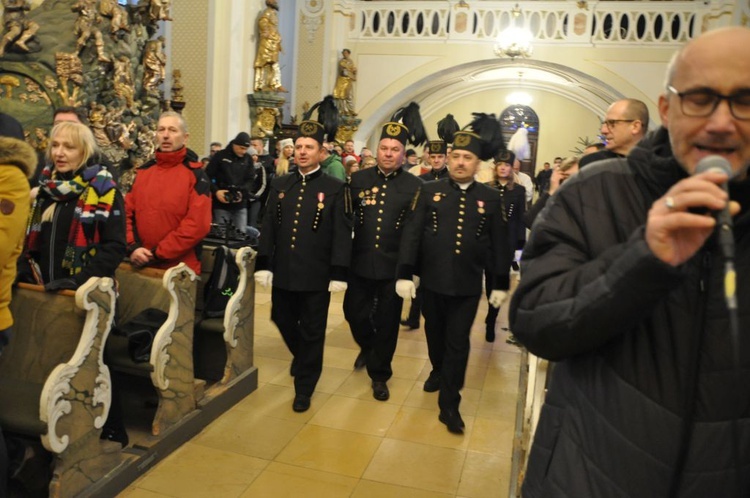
point(339, 273)
point(501, 282)
point(404, 272)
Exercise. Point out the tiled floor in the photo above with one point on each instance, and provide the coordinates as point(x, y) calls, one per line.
point(348, 444)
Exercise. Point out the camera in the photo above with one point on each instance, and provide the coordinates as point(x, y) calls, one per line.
point(234, 194)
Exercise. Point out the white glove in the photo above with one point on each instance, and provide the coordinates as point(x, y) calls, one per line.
point(406, 289)
point(415, 279)
point(496, 298)
point(336, 286)
point(264, 278)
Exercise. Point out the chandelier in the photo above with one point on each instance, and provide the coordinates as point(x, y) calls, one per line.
point(514, 42)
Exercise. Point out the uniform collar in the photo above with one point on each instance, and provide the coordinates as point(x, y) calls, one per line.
point(310, 176)
point(457, 186)
point(392, 174)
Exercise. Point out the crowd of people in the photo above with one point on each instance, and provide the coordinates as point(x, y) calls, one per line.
point(622, 277)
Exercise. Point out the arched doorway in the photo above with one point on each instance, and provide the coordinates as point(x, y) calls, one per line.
point(518, 116)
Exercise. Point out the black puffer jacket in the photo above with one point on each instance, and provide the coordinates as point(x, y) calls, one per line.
point(643, 399)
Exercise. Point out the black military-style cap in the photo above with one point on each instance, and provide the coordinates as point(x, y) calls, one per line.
point(467, 140)
point(312, 129)
point(327, 123)
point(505, 156)
point(396, 131)
point(437, 147)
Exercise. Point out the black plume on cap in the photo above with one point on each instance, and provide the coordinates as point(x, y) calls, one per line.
point(412, 120)
point(447, 127)
point(325, 128)
point(484, 139)
point(488, 129)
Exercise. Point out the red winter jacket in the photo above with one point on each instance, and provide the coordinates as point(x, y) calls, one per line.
point(169, 209)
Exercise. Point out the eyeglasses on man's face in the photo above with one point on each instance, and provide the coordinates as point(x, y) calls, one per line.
point(702, 102)
point(610, 123)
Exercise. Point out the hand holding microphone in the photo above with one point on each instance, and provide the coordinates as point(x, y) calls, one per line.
point(674, 232)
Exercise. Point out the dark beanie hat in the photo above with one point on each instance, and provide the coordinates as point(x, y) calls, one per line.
point(10, 127)
point(242, 139)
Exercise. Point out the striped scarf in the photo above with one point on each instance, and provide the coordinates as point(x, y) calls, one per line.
point(95, 189)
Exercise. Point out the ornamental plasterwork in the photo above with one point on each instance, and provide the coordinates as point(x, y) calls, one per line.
point(312, 17)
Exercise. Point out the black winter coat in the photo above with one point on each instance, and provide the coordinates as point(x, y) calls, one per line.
point(642, 401)
point(54, 239)
point(227, 170)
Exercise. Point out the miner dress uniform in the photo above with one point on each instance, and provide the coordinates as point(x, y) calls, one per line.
point(447, 241)
point(381, 204)
point(305, 242)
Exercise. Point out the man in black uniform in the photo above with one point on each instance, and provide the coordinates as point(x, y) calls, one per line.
point(456, 227)
point(304, 253)
point(437, 160)
point(381, 197)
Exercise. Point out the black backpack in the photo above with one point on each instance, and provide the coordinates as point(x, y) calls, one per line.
point(222, 283)
point(140, 331)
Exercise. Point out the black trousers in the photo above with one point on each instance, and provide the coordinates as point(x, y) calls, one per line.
point(301, 318)
point(373, 310)
point(447, 325)
point(416, 310)
point(492, 312)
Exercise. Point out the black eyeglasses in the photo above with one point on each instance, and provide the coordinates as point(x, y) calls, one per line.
point(612, 122)
point(702, 103)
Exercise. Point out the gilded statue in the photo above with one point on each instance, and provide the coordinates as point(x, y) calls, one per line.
point(154, 62)
point(85, 27)
point(18, 28)
point(343, 91)
point(267, 70)
point(158, 10)
point(117, 14)
point(123, 80)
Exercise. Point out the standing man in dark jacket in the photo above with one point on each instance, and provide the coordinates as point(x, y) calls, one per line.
point(623, 286)
point(231, 172)
point(382, 196)
point(304, 252)
point(456, 228)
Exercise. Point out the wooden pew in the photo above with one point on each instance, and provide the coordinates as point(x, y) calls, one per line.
point(171, 363)
point(226, 344)
point(53, 381)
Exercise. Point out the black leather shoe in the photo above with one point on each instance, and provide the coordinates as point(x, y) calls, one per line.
point(489, 335)
point(380, 390)
point(361, 361)
point(432, 384)
point(301, 403)
point(452, 420)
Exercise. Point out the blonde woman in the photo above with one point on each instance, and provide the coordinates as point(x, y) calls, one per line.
point(285, 161)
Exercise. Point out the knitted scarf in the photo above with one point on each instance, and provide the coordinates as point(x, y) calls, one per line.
point(95, 190)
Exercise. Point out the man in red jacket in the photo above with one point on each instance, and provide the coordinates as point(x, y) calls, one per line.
point(168, 209)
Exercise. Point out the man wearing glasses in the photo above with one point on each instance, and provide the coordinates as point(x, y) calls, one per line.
point(624, 126)
point(626, 292)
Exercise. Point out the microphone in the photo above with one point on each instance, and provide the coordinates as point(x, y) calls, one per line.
point(723, 218)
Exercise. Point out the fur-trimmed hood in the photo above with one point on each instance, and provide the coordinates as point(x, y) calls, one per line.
point(18, 153)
